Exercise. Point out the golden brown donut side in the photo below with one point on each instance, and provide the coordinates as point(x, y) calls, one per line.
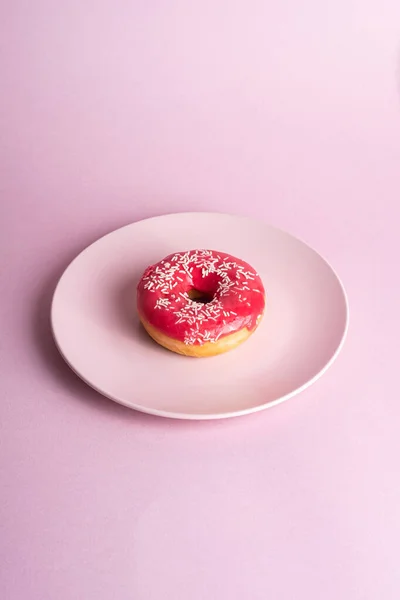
point(224, 344)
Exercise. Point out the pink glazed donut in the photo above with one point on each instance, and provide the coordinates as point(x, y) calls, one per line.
point(201, 302)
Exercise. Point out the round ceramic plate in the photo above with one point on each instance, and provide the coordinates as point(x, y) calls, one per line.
point(97, 331)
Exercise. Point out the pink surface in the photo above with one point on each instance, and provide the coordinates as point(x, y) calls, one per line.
point(111, 111)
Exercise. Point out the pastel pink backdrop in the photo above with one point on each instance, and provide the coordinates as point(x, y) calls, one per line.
point(117, 110)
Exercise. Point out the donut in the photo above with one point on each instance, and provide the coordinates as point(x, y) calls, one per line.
point(201, 302)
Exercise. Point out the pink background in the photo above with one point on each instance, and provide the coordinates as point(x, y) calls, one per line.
point(113, 110)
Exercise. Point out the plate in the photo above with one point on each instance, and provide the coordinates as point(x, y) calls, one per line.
point(98, 333)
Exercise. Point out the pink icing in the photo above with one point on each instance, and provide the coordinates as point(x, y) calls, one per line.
point(235, 292)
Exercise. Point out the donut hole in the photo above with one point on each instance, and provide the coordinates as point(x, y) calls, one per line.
point(200, 297)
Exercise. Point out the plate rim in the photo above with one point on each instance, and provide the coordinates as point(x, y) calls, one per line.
point(206, 416)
